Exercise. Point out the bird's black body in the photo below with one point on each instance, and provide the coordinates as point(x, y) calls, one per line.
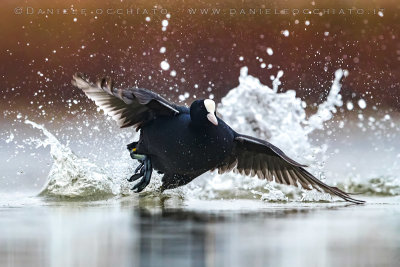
point(183, 143)
point(183, 149)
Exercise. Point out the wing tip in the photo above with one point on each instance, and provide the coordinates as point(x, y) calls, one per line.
point(344, 195)
point(355, 201)
point(332, 189)
point(80, 80)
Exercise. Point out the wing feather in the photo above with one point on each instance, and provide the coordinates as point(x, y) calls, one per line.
point(253, 156)
point(128, 107)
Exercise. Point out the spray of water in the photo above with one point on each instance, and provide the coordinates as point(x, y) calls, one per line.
point(71, 176)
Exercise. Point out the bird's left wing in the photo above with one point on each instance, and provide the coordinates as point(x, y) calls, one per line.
point(253, 156)
point(130, 106)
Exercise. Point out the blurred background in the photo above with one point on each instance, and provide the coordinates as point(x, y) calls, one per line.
point(203, 45)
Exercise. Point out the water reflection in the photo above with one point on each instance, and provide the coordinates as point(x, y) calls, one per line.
point(173, 238)
point(115, 233)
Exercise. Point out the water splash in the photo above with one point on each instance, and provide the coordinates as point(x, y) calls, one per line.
point(72, 176)
point(258, 110)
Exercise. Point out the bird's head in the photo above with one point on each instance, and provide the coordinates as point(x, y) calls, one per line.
point(203, 111)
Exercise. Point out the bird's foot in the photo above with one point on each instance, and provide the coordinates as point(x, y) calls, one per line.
point(143, 170)
point(139, 172)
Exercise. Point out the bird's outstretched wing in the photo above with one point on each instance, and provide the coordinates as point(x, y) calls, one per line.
point(131, 106)
point(253, 156)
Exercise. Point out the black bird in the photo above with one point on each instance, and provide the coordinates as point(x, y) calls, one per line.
point(183, 143)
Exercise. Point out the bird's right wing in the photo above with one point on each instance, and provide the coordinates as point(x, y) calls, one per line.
point(131, 106)
point(253, 156)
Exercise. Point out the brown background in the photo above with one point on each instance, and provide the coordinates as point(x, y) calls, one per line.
point(127, 47)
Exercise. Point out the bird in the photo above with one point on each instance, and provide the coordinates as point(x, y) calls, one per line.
point(184, 142)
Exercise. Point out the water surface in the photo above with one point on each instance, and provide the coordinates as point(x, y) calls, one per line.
point(137, 231)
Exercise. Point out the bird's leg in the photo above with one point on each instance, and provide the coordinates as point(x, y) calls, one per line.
point(147, 170)
point(132, 148)
point(139, 172)
point(143, 170)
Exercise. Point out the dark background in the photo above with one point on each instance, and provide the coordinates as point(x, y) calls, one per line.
point(202, 49)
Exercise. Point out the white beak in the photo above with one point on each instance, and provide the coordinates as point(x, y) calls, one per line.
point(211, 117)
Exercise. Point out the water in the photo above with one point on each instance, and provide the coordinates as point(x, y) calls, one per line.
point(74, 207)
point(137, 231)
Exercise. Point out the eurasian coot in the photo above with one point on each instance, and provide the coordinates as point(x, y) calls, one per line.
point(183, 143)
